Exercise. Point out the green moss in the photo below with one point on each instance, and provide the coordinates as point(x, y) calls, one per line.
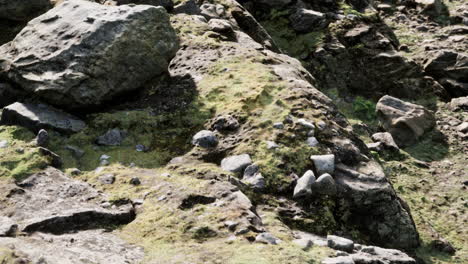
point(21, 158)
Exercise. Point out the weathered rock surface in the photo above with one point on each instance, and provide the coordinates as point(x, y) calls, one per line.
point(406, 122)
point(236, 163)
point(340, 243)
point(325, 184)
point(324, 163)
point(304, 185)
point(168, 4)
point(308, 20)
point(85, 53)
point(112, 137)
point(386, 139)
point(205, 139)
point(39, 116)
point(22, 10)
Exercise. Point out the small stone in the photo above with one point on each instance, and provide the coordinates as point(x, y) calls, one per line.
point(162, 198)
point(225, 123)
point(305, 123)
point(140, 148)
point(132, 165)
point(166, 175)
point(378, 146)
point(19, 150)
point(231, 225)
point(104, 163)
point(278, 125)
point(205, 139)
point(340, 243)
point(272, 145)
point(75, 172)
point(303, 243)
point(256, 181)
point(104, 157)
point(304, 184)
point(324, 163)
point(321, 125)
point(325, 184)
point(236, 163)
point(42, 138)
point(135, 181)
point(113, 137)
point(267, 238)
point(220, 25)
point(4, 144)
point(312, 142)
point(107, 178)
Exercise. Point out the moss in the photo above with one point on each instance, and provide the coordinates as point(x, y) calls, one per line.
point(21, 158)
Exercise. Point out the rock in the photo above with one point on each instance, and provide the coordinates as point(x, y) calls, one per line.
point(23, 10)
point(236, 163)
point(432, 8)
point(205, 139)
point(76, 151)
point(135, 181)
point(220, 25)
point(8, 227)
point(386, 139)
point(267, 238)
point(231, 225)
point(306, 124)
point(42, 138)
point(325, 184)
point(312, 142)
point(304, 185)
point(303, 243)
point(251, 170)
point(39, 116)
point(141, 148)
point(188, 7)
point(278, 125)
point(442, 245)
point(324, 163)
point(378, 146)
point(75, 172)
point(210, 11)
point(463, 127)
point(167, 4)
point(225, 123)
point(405, 121)
point(386, 8)
point(340, 243)
point(272, 145)
point(55, 160)
point(338, 260)
point(107, 178)
point(107, 51)
point(371, 254)
point(8, 94)
point(4, 144)
point(112, 137)
point(257, 181)
point(304, 20)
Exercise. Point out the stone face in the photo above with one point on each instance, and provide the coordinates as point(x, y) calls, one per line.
point(324, 163)
point(86, 53)
point(386, 139)
point(304, 185)
point(205, 139)
point(22, 10)
point(39, 116)
point(304, 20)
point(406, 122)
point(325, 184)
point(340, 243)
point(236, 163)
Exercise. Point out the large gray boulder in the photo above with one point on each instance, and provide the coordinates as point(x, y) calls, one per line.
point(22, 10)
point(236, 163)
point(39, 116)
point(81, 54)
point(406, 122)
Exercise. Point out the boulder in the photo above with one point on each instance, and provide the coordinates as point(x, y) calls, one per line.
point(304, 185)
point(267, 238)
point(42, 138)
point(205, 139)
point(23, 10)
point(304, 20)
point(324, 163)
point(340, 243)
point(406, 122)
point(325, 184)
point(236, 163)
point(7, 227)
point(220, 26)
point(39, 116)
point(80, 54)
point(432, 8)
point(386, 139)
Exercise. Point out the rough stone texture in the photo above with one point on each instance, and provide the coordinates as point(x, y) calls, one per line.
point(338, 260)
point(22, 10)
point(113, 137)
point(386, 139)
point(340, 243)
point(304, 184)
point(106, 51)
point(325, 184)
point(406, 122)
point(39, 116)
point(308, 20)
point(236, 163)
point(371, 254)
point(324, 163)
point(205, 139)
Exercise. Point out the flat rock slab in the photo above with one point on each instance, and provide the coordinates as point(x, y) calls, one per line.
point(50, 202)
point(39, 116)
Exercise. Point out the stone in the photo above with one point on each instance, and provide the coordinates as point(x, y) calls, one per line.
point(378, 146)
point(338, 260)
point(231, 225)
point(303, 243)
point(303, 186)
point(278, 125)
point(112, 137)
point(386, 139)
point(76, 151)
point(272, 145)
point(205, 139)
point(304, 20)
point(220, 25)
point(167, 4)
point(42, 138)
point(236, 163)
point(432, 8)
point(75, 172)
point(385, 8)
point(257, 181)
point(8, 227)
point(4, 144)
point(406, 122)
point(463, 127)
point(251, 170)
point(84, 53)
point(39, 116)
point(107, 178)
point(23, 10)
point(267, 238)
point(340, 243)
point(211, 11)
point(135, 181)
point(274, 3)
point(324, 163)
point(55, 160)
point(225, 123)
point(312, 142)
point(442, 245)
point(325, 184)
point(141, 148)
point(305, 123)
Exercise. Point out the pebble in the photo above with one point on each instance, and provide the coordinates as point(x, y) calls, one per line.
point(4, 144)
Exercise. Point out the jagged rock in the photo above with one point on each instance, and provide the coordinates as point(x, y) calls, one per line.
point(39, 116)
point(304, 185)
point(42, 138)
point(205, 139)
point(325, 184)
point(340, 243)
point(236, 163)
point(106, 51)
point(324, 163)
point(220, 25)
point(267, 238)
point(112, 137)
point(386, 139)
point(23, 10)
point(305, 123)
point(304, 20)
point(406, 122)
point(338, 260)
point(254, 178)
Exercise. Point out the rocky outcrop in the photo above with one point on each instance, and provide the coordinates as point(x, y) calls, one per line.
point(85, 53)
point(40, 116)
point(405, 121)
